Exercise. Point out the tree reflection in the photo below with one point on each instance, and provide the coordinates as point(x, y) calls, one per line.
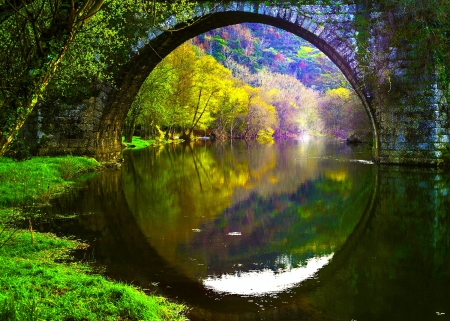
point(239, 207)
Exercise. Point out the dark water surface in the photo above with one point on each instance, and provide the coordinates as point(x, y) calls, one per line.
point(289, 231)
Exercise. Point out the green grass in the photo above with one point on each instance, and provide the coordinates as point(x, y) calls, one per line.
point(139, 143)
point(35, 287)
point(35, 283)
point(34, 181)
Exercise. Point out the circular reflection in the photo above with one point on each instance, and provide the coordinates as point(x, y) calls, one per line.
point(247, 220)
point(264, 213)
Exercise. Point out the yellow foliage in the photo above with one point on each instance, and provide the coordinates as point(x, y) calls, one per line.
point(336, 175)
point(161, 133)
point(341, 93)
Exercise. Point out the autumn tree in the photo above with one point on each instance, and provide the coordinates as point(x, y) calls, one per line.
point(231, 110)
point(184, 92)
point(343, 113)
point(261, 115)
point(296, 104)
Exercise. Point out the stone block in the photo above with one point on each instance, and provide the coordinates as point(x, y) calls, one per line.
point(444, 138)
point(306, 22)
point(440, 146)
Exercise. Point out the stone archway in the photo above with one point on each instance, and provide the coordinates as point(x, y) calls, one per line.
point(334, 38)
point(398, 91)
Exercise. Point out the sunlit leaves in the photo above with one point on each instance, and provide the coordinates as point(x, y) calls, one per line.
point(187, 88)
point(343, 114)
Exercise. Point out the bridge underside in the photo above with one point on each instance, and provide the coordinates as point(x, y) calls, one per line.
point(401, 101)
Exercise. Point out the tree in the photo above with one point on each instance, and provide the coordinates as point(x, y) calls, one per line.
point(296, 104)
point(260, 116)
point(184, 91)
point(36, 35)
point(211, 81)
point(231, 109)
point(343, 113)
point(152, 100)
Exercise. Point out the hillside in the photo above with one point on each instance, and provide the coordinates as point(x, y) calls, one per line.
point(259, 47)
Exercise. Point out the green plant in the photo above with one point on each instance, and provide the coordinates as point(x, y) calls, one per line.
point(19, 150)
point(446, 155)
point(68, 168)
point(33, 286)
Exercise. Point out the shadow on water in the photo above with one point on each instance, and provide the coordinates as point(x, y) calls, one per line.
point(332, 239)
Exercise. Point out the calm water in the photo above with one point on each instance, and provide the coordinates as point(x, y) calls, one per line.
point(289, 231)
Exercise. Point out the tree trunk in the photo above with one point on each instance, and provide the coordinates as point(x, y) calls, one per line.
point(16, 110)
point(44, 55)
point(128, 132)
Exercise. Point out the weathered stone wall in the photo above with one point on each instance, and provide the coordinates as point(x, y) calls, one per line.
point(407, 104)
point(72, 129)
point(411, 128)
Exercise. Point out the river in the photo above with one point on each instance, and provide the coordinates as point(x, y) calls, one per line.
point(295, 230)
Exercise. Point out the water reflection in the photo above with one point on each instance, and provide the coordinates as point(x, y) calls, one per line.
point(233, 211)
point(266, 281)
point(331, 238)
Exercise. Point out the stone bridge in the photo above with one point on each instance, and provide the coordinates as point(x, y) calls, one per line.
point(400, 96)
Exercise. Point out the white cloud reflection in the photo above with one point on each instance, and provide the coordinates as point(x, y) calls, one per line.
point(265, 281)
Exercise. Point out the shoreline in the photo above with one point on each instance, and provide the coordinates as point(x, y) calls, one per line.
point(39, 277)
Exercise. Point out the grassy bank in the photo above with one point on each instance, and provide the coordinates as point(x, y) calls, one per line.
point(139, 143)
point(36, 180)
point(35, 287)
point(37, 282)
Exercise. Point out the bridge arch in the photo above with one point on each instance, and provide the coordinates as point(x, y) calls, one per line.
point(332, 33)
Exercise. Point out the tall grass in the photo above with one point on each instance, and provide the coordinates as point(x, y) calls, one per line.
point(34, 287)
point(35, 180)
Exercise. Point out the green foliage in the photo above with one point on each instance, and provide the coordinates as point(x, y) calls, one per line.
point(19, 150)
point(138, 143)
point(34, 180)
point(446, 155)
point(306, 52)
point(34, 287)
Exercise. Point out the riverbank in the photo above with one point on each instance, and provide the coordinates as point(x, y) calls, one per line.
point(38, 278)
point(37, 180)
point(139, 143)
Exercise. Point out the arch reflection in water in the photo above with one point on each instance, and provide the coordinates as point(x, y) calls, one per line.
point(220, 212)
point(273, 208)
point(266, 281)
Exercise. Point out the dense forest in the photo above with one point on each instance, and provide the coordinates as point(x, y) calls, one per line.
point(247, 81)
